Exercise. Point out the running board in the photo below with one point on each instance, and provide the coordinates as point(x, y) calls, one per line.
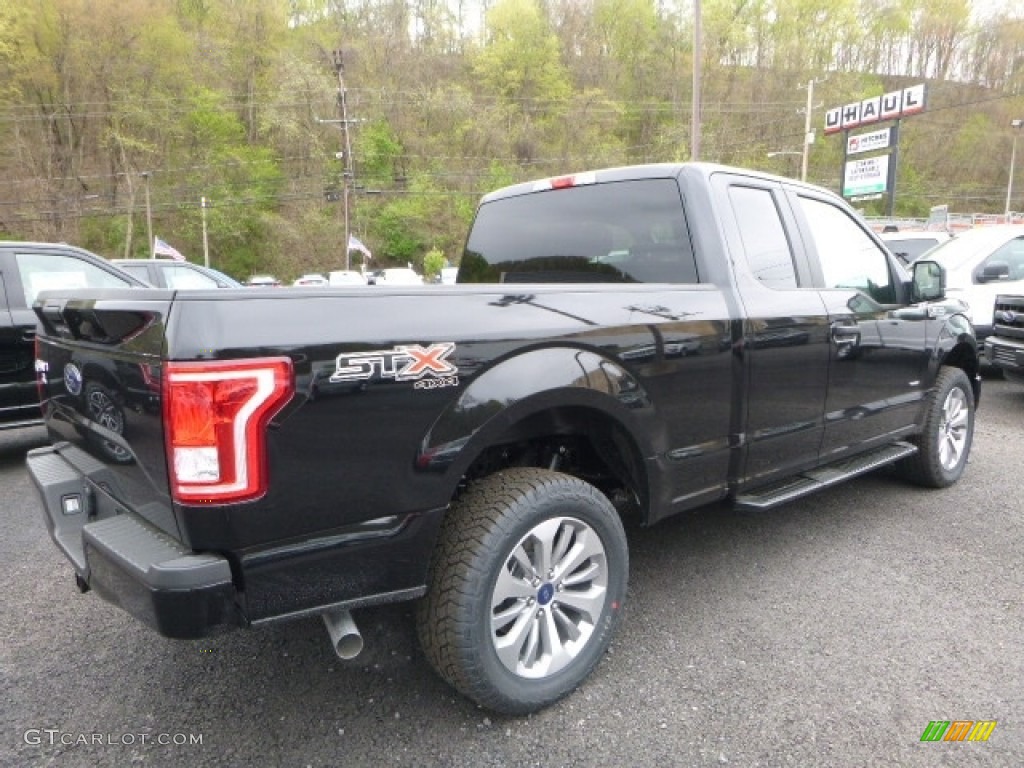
point(814, 480)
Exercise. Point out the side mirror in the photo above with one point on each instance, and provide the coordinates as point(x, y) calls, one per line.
point(993, 271)
point(929, 281)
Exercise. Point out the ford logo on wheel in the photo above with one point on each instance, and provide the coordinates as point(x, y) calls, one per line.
point(73, 379)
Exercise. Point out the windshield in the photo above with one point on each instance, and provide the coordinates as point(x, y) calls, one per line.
point(965, 249)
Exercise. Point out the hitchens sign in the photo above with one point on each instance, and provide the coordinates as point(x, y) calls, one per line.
point(868, 142)
point(890, 106)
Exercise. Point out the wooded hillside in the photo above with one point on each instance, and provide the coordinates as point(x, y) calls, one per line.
point(103, 102)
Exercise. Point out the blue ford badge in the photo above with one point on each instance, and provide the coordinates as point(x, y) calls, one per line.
point(73, 379)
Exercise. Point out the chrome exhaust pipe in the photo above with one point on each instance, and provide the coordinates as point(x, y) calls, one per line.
point(345, 637)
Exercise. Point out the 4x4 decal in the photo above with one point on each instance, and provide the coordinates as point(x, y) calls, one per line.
point(402, 363)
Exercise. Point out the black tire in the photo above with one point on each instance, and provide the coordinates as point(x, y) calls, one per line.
point(467, 618)
point(945, 443)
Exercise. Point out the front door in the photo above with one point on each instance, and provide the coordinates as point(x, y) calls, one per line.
point(878, 350)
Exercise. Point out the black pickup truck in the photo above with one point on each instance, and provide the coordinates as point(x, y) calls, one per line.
point(633, 341)
point(25, 269)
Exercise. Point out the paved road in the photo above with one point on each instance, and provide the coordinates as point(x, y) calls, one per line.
point(827, 633)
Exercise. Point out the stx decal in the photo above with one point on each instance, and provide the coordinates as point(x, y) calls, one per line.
point(403, 363)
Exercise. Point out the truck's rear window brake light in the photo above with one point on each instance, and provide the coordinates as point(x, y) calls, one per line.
point(564, 182)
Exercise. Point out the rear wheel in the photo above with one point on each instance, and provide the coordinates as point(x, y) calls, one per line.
point(526, 589)
point(945, 443)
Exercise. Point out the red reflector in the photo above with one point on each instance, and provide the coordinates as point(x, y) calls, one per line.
point(563, 182)
point(215, 417)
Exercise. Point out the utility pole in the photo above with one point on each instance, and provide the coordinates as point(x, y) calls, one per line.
point(149, 217)
point(347, 173)
point(1016, 125)
point(698, 47)
point(206, 243)
point(808, 136)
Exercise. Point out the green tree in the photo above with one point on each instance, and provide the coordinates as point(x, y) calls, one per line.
point(433, 262)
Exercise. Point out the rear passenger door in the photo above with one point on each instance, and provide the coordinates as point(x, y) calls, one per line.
point(785, 343)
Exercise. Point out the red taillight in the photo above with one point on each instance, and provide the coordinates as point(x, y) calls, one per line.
point(215, 418)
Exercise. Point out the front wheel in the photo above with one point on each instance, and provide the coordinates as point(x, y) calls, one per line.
point(945, 443)
point(526, 589)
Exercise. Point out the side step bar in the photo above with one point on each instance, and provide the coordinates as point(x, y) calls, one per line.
point(816, 479)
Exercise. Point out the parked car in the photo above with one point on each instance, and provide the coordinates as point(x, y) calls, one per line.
point(311, 281)
point(25, 270)
point(980, 264)
point(263, 281)
point(169, 273)
point(395, 276)
point(346, 277)
point(909, 246)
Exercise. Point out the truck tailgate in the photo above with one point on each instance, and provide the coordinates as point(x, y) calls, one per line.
point(98, 370)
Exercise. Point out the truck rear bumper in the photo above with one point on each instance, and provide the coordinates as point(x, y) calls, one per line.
point(129, 562)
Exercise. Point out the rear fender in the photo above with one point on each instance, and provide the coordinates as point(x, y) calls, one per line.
point(519, 387)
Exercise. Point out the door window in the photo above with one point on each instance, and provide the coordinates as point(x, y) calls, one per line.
point(139, 271)
point(1012, 255)
point(849, 257)
point(764, 238)
point(176, 276)
point(52, 271)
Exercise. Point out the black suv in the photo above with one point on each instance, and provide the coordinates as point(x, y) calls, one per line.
point(25, 270)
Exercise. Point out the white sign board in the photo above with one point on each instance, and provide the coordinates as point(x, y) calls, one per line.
point(865, 177)
point(867, 142)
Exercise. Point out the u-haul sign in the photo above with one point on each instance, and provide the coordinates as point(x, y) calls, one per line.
point(889, 106)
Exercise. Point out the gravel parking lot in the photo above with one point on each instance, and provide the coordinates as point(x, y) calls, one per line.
point(827, 633)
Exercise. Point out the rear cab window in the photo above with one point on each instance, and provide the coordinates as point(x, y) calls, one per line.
point(616, 232)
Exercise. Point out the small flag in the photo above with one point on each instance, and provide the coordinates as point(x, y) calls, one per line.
point(355, 244)
point(160, 248)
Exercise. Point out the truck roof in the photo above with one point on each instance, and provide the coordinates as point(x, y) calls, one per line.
point(625, 173)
